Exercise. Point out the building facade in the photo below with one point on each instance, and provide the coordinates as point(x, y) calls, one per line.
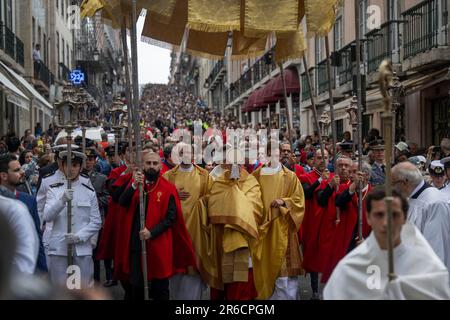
point(413, 34)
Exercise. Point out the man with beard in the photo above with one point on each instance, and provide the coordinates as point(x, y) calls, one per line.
point(11, 175)
point(313, 182)
point(169, 248)
point(192, 183)
point(86, 223)
point(287, 159)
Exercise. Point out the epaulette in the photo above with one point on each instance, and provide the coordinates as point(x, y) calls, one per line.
point(88, 187)
point(56, 185)
point(49, 174)
point(84, 175)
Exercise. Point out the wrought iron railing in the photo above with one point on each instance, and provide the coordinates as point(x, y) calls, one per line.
point(260, 69)
point(422, 27)
point(20, 52)
point(45, 75)
point(381, 44)
point(345, 69)
point(9, 42)
point(322, 77)
point(64, 71)
point(305, 87)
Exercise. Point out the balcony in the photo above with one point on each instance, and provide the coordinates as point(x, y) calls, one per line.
point(381, 44)
point(344, 70)
point(322, 77)
point(217, 74)
point(426, 27)
point(11, 44)
point(64, 71)
point(43, 78)
point(257, 72)
point(304, 87)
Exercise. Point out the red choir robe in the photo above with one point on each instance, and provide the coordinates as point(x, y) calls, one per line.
point(299, 171)
point(107, 241)
point(328, 228)
point(344, 232)
point(309, 229)
point(169, 253)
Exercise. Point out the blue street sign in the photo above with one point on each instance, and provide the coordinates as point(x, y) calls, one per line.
point(76, 77)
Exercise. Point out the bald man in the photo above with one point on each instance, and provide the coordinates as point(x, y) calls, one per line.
point(428, 209)
point(169, 248)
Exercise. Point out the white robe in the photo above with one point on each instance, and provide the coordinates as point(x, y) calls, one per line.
point(27, 241)
point(446, 192)
point(363, 273)
point(431, 215)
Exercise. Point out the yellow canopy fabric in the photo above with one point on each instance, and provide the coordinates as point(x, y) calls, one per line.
point(320, 16)
point(214, 16)
point(210, 21)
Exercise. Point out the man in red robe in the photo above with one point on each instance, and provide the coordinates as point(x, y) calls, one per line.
point(169, 247)
point(312, 183)
point(346, 236)
point(331, 214)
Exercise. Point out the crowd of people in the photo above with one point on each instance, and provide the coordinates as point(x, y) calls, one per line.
point(244, 231)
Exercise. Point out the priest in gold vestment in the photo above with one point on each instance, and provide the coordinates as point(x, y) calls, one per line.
point(192, 183)
point(224, 230)
point(277, 260)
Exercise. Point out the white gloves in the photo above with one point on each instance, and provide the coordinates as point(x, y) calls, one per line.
point(67, 195)
point(72, 238)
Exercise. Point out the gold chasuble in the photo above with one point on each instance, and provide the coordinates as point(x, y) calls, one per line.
point(224, 228)
point(278, 252)
point(194, 181)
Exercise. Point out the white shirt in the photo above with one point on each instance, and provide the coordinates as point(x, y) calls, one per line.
point(363, 273)
point(27, 241)
point(430, 213)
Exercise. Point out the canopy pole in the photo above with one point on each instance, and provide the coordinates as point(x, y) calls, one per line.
point(359, 105)
point(314, 109)
point(137, 134)
point(288, 115)
point(330, 95)
point(128, 86)
point(386, 77)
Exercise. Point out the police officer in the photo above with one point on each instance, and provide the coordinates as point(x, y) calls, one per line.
point(86, 222)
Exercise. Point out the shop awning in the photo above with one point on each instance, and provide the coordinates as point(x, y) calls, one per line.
point(267, 93)
point(248, 106)
point(14, 94)
point(292, 83)
point(41, 102)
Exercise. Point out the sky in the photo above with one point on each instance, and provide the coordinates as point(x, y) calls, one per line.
point(153, 61)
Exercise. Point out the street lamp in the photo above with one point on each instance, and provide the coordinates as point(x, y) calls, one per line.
point(67, 117)
point(324, 124)
point(117, 114)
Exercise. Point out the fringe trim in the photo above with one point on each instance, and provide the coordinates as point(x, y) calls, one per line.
point(205, 27)
point(158, 43)
point(289, 57)
point(204, 55)
point(252, 54)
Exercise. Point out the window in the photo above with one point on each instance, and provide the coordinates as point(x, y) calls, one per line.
point(57, 53)
point(338, 34)
point(63, 56)
point(68, 55)
point(44, 49)
point(319, 49)
point(62, 8)
point(39, 35)
point(33, 23)
point(339, 129)
point(8, 14)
